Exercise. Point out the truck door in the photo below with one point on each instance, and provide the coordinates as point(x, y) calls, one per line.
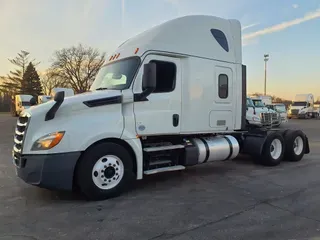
point(160, 114)
point(223, 114)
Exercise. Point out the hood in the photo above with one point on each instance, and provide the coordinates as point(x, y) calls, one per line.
point(264, 109)
point(73, 103)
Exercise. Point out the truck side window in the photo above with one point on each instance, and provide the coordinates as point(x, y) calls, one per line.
point(166, 76)
point(223, 86)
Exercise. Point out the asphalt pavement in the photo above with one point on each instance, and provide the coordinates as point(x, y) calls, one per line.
point(221, 200)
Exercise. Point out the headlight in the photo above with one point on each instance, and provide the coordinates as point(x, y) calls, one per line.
point(256, 119)
point(48, 141)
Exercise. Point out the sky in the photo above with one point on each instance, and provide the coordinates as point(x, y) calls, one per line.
point(287, 30)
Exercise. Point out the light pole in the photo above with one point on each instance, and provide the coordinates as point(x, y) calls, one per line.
point(266, 58)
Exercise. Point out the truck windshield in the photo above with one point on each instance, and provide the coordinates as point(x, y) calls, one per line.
point(117, 75)
point(249, 103)
point(258, 103)
point(299, 104)
point(280, 108)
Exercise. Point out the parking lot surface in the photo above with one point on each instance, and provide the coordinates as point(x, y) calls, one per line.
point(221, 200)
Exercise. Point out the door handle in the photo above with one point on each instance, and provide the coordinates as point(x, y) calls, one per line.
point(175, 120)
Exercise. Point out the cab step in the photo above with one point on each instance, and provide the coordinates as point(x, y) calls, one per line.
point(164, 169)
point(160, 162)
point(163, 148)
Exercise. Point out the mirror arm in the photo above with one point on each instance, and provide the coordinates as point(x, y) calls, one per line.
point(143, 96)
point(58, 98)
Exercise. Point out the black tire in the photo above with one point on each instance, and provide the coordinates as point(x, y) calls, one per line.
point(289, 138)
point(266, 157)
point(84, 176)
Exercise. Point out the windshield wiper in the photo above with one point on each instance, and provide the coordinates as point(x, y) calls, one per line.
point(101, 88)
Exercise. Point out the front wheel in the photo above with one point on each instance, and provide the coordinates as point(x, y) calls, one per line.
point(104, 171)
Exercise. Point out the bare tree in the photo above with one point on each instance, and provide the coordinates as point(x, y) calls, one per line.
point(78, 66)
point(51, 80)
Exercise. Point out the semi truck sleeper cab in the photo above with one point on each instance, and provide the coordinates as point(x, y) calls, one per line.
point(169, 98)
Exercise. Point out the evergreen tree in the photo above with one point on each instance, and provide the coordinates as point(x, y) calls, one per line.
point(31, 81)
point(12, 82)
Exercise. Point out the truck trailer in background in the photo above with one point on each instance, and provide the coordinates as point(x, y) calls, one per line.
point(267, 100)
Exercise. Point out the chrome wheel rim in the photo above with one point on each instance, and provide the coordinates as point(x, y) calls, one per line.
point(275, 148)
point(107, 172)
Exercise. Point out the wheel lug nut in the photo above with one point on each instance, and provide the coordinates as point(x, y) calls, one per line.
point(109, 180)
point(105, 166)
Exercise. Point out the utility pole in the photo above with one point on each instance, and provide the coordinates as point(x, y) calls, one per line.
point(266, 58)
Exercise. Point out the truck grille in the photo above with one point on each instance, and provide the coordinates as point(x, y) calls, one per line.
point(295, 111)
point(275, 117)
point(19, 134)
point(266, 118)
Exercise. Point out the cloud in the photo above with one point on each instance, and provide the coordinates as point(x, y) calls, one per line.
point(249, 26)
point(282, 26)
point(295, 5)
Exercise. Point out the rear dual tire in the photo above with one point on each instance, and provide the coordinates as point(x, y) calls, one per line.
point(273, 150)
point(295, 145)
point(291, 147)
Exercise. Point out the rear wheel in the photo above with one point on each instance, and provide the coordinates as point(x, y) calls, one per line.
point(273, 150)
point(295, 145)
point(104, 171)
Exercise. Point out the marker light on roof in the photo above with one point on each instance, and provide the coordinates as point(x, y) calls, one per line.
point(118, 55)
point(137, 50)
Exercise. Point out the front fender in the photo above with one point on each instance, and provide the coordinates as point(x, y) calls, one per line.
point(82, 128)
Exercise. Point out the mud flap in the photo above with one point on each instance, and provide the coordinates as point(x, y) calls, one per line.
point(307, 150)
point(253, 144)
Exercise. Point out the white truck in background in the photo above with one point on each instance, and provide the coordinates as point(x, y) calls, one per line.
point(303, 107)
point(258, 114)
point(180, 101)
point(20, 102)
point(68, 92)
point(43, 98)
point(266, 100)
point(281, 109)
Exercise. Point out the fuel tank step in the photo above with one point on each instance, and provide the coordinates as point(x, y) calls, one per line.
point(163, 148)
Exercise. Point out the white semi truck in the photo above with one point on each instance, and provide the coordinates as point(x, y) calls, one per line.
point(43, 99)
point(303, 107)
point(180, 101)
point(281, 109)
point(259, 115)
point(68, 92)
